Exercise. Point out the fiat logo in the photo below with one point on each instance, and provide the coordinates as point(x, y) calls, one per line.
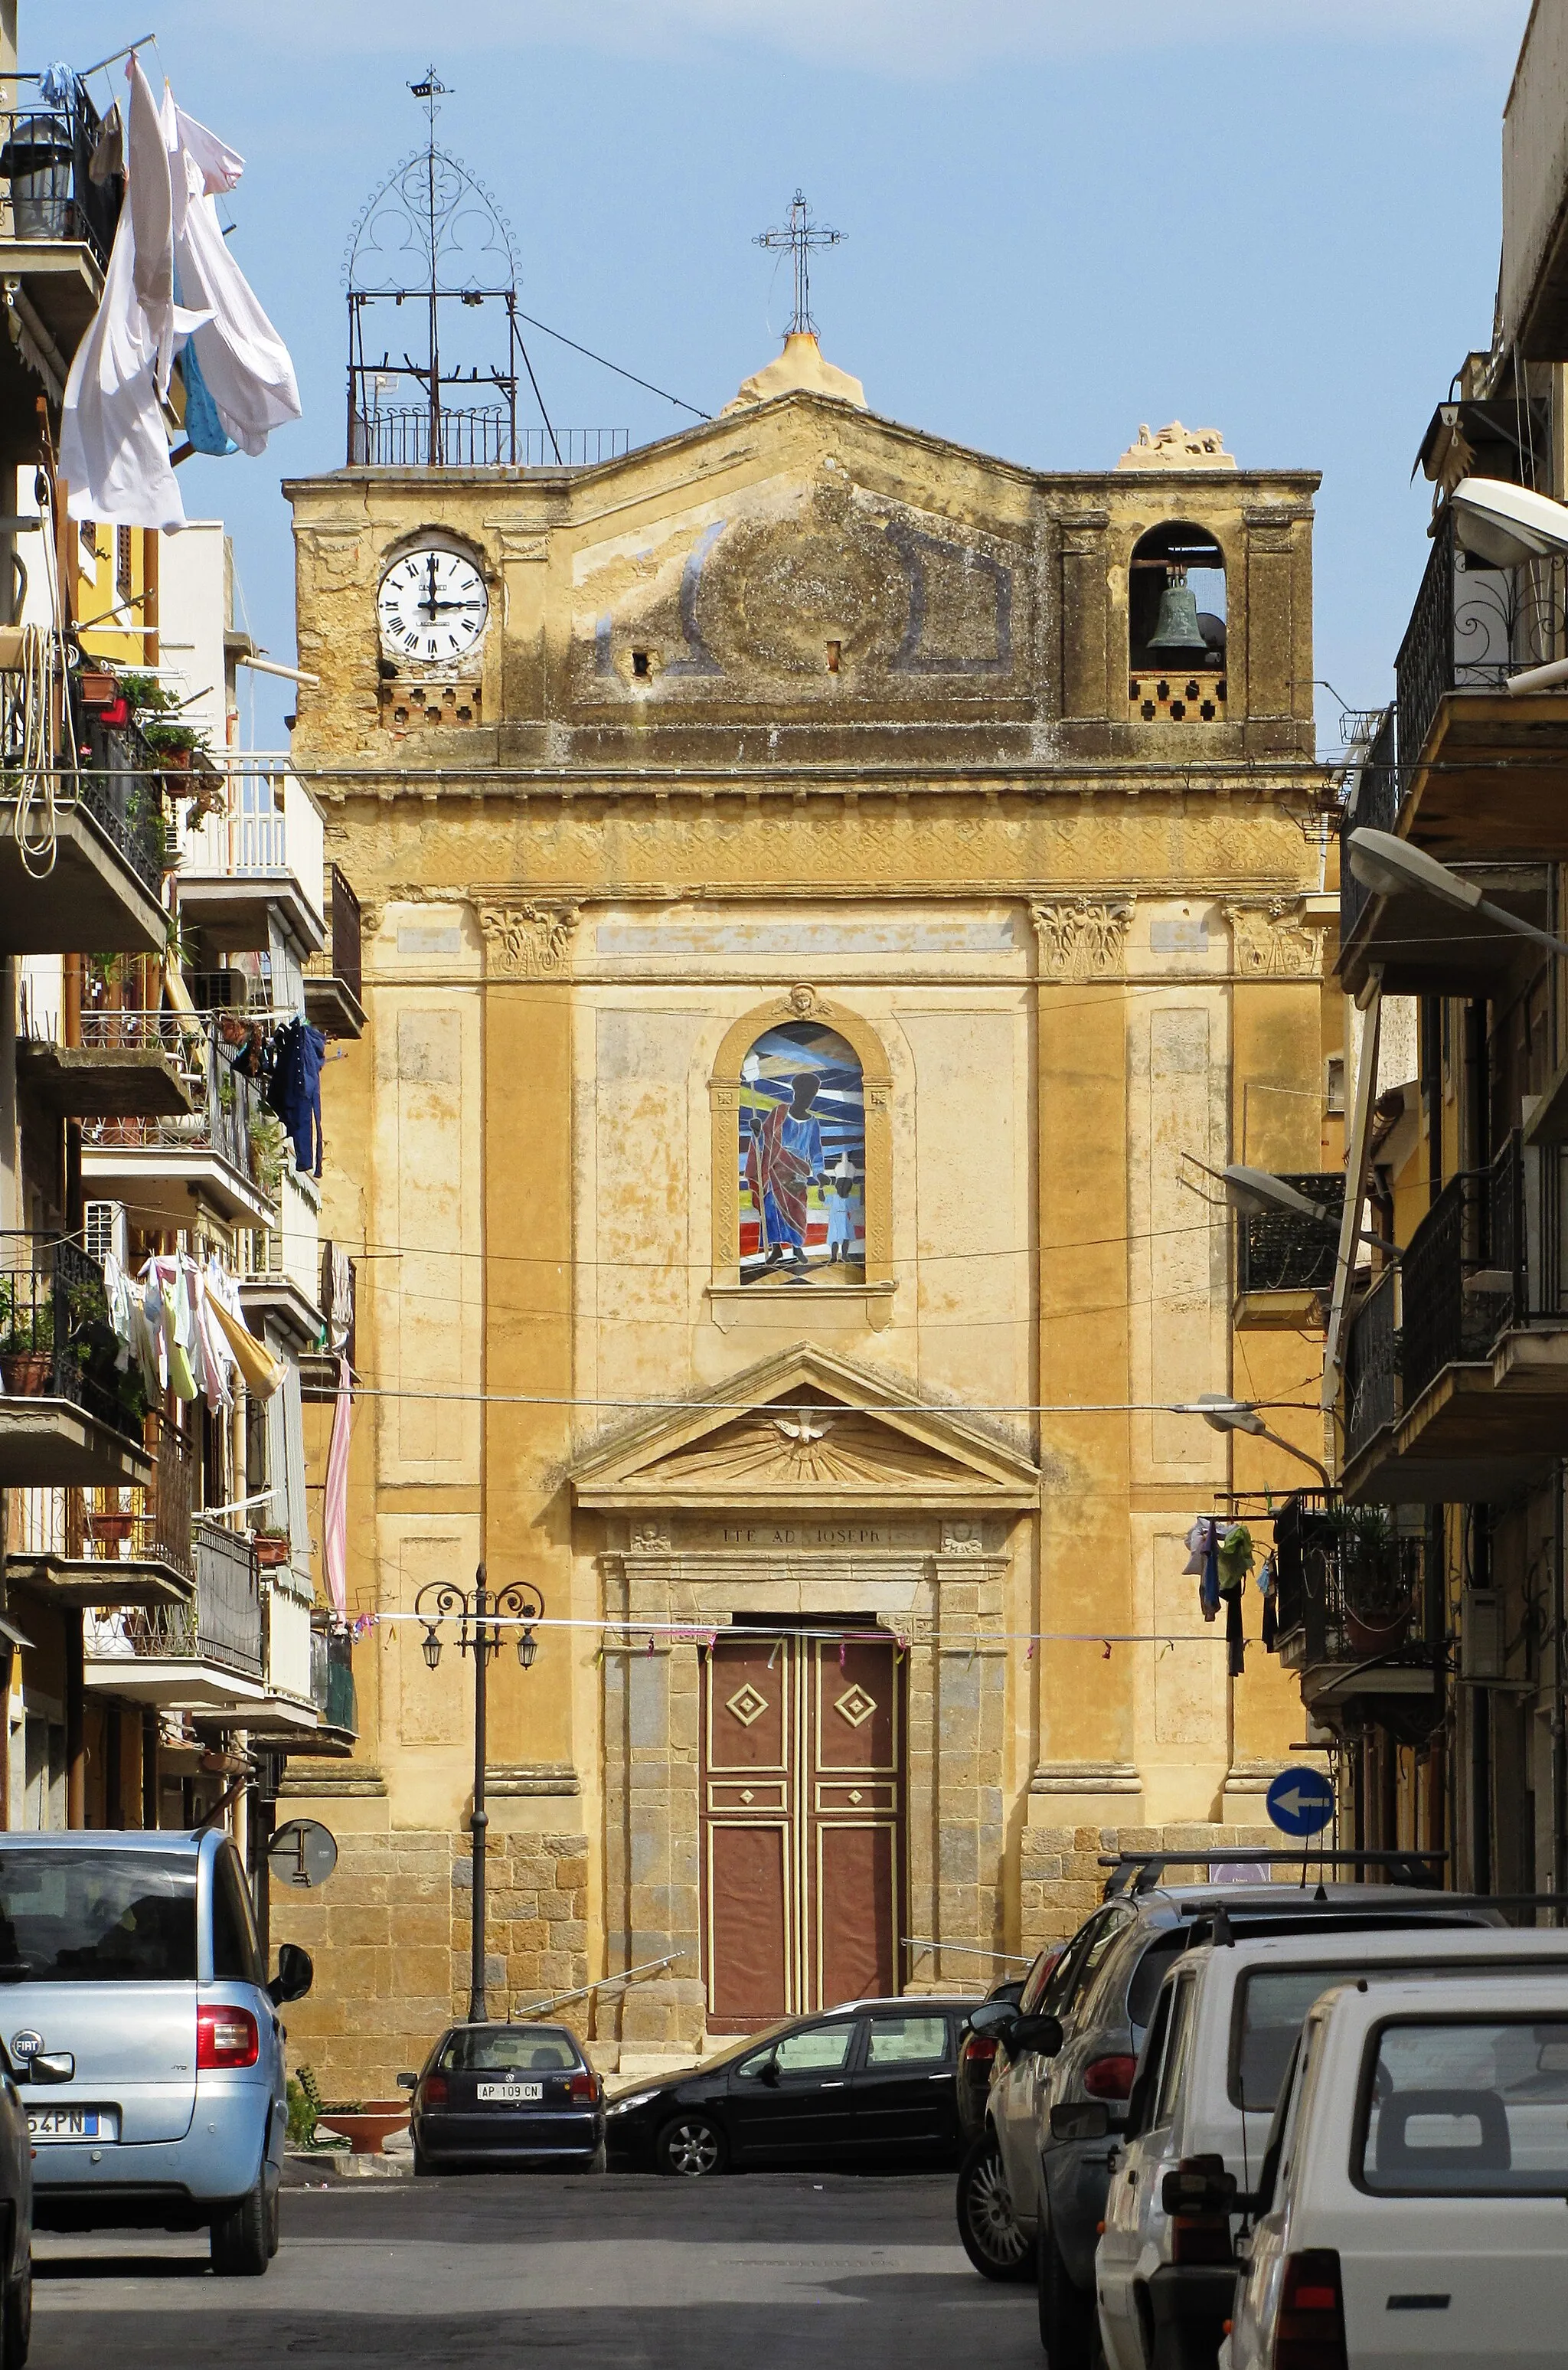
point(26, 2044)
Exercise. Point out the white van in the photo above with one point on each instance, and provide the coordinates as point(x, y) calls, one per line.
point(1416, 2211)
point(1220, 2044)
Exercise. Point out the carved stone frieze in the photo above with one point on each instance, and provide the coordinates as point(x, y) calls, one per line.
point(1081, 938)
point(530, 938)
point(1273, 942)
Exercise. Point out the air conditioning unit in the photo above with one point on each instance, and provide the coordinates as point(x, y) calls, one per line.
point(1480, 1635)
point(103, 1230)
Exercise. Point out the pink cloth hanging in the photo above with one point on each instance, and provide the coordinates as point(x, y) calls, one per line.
point(335, 1506)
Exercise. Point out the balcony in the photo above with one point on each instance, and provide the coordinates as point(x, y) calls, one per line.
point(87, 877)
point(207, 1656)
point(1484, 1351)
point(1284, 1262)
point(334, 978)
point(84, 1549)
point(67, 1416)
point(229, 1152)
point(129, 1065)
point(57, 224)
point(1359, 1614)
point(1465, 770)
point(263, 855)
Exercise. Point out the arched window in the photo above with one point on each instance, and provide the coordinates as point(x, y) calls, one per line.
point(801, 1153)
point(1176, 624)
point(802, 1188)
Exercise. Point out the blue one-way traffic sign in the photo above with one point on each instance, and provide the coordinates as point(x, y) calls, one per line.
point(1300, 1801)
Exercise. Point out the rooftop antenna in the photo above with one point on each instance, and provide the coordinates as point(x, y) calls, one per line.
point(801, 234)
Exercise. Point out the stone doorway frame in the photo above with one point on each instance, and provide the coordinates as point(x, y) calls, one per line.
point(942, 1602)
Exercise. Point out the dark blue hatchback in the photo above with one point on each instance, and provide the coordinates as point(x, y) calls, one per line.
point(499, 2096)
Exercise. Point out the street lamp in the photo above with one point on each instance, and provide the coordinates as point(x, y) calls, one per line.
point(479, 1613)
point(1255, 1193)
point(1223, 1413)
point(1392, 868)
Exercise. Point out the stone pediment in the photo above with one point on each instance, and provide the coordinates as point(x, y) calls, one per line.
point(806, 1427)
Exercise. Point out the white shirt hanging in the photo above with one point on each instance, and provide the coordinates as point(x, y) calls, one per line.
point(244, 361)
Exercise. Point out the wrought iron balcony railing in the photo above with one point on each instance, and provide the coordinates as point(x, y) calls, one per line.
point(1377, 807)
point(116, 781)
point(1278, 1251)
point(45, 155)
point(469, 436)
point(1357, 1585)
point(1472, 627)
point(223, 1623)
point(132, 1524)
point(1372, 1357)
point(230, 1118)
point(55, 1338)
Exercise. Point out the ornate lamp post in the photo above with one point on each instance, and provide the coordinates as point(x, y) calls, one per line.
point(479, 1613)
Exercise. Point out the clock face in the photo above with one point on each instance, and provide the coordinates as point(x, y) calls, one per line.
point(431, 609)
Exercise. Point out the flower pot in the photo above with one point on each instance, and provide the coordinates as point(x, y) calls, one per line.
point(271, 1553)
point(97, 688)
point(27, 1374)
point(365, 2131)
point(1377, 1633)
point(112, 1529)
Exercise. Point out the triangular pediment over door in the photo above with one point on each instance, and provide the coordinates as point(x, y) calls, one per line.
point(807, 1425)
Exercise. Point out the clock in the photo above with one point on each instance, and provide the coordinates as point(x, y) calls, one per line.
point(431, 609)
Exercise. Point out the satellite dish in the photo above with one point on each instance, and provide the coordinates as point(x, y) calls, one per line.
point(302, 1854)
point(1505, 524)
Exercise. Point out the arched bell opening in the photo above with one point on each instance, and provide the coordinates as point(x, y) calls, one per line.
point(1176, 626)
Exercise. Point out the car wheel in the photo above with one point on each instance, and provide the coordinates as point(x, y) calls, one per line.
point(992, 2241)
point(1066, 2315)
point(423, 2169)
point(16, 2318)
point(239, 2236)
point(274, 2222)
point(693, 2146)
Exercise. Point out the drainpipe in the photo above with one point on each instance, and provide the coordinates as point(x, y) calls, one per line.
point(75, 1743)
point(1559, 1756)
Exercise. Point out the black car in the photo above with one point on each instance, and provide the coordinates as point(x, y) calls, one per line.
point(874, 2079)
point(513, 2095)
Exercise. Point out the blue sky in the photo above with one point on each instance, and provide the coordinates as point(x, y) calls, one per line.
point(1275, 217)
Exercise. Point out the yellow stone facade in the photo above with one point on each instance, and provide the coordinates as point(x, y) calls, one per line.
point(799, 716)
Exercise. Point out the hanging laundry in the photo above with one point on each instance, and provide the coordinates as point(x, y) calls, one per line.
point(147, 1332)
point(261, 1372)
point(1208, 1584)
point(1235, 1560)
point(294, 1089)
point(335, 1508)
point(118, 1297)
point(242, 362)
point(177, 1350)
point(107, 162)
point(1198, 1544)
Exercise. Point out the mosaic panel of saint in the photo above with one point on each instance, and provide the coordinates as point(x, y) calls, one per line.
point(802, 1153)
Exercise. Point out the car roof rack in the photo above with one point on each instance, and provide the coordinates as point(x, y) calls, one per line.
point(1136, 1872)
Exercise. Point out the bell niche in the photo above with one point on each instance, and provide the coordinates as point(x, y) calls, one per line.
point(1176, 626)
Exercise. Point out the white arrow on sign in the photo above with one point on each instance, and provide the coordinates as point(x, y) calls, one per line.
point(1296, 1801)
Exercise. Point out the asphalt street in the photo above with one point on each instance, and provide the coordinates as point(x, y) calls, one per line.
point(756, 2270)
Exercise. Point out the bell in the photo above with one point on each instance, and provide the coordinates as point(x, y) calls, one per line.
point(1176, 626)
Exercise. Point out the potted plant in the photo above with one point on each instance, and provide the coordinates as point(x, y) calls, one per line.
point(271, 1544)
point(1375, 1592)
point(27, 1344)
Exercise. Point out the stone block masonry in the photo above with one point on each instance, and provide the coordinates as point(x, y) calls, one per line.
point(390, 1935)
point(1060, 1878)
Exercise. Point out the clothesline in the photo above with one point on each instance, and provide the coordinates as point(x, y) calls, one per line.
point(708, 1633)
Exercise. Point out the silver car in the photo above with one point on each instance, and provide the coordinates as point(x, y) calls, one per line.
point(132, 1979)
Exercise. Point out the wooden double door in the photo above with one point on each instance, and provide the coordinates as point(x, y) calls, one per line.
point(803, 1823)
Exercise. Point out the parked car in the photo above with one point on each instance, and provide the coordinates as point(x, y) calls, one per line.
point(873, 2079)
point(135, 1991)
point(1076, 2055)
point(1412, 2204)
point(976, 2051)
point(1220, 2044)
point(16, 2209)
point(987, 2224)
point(507, 2095)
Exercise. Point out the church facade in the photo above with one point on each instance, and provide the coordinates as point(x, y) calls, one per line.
point(831, 903)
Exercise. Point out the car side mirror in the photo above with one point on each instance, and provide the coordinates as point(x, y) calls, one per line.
point(1041, 2034)
point(769, 2073)
point(407, 2081)
point(1081, 2119)
point(296, 1973)
point(994, 2016)
point(58, 2065)
point(1199, 2186)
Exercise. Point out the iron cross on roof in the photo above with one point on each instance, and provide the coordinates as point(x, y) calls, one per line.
point(801, 235)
